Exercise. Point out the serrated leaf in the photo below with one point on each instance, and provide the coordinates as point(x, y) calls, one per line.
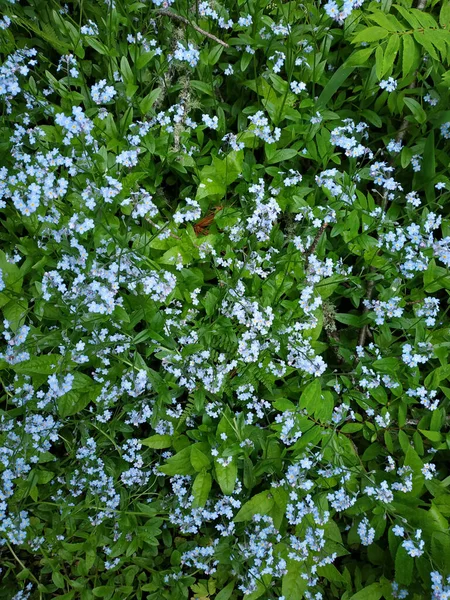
point(379, 58)
point(409, 55)
point(360, 57)
point(444, 14)
point(370, 34)
point(390, 53)
point(387, 21)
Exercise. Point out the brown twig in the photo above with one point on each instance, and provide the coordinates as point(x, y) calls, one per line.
point(167, 13)
point(313, 246)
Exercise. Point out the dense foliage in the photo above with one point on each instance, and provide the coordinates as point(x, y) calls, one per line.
point(224, 277)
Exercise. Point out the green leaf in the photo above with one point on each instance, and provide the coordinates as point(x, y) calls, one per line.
point(14, 312)
point(214, 54)
point(281, 155)
point(72, 403)
point(412, 459)
point(103, 591)
point(98, 46)
point(210, 301)
point(293, 585)
point(390, 53)
point(360, 57)
point(433, 436)
point(418, 112)
point(410, 55)
point(334, 84)
point(198, 459)
point(311, 396)
point(444, 14)
point(157, 441)
point(43, 365)
point(126, 71)
point(260, 504)
point(371, 592)
point(203, 87)
point(387, 21)
point(149, 100)
point(226, 476)
point(440, 549)
point(370, 34)
point(404, 565)
point(144, 59)
point(246, 59)
point(379, 59)
point(215, 178)
point(201, 488)
point(226, 592)
point(180, 464)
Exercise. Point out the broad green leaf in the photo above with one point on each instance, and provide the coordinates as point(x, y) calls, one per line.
point(226, 476)
point(157, 441)
point(201, 488)
point(44, 365)
point(179, 464)
point(293, 585)
point(404, 565)
point(311, 396)
point(198, 459)
point(260, 504)
point(72, 403)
